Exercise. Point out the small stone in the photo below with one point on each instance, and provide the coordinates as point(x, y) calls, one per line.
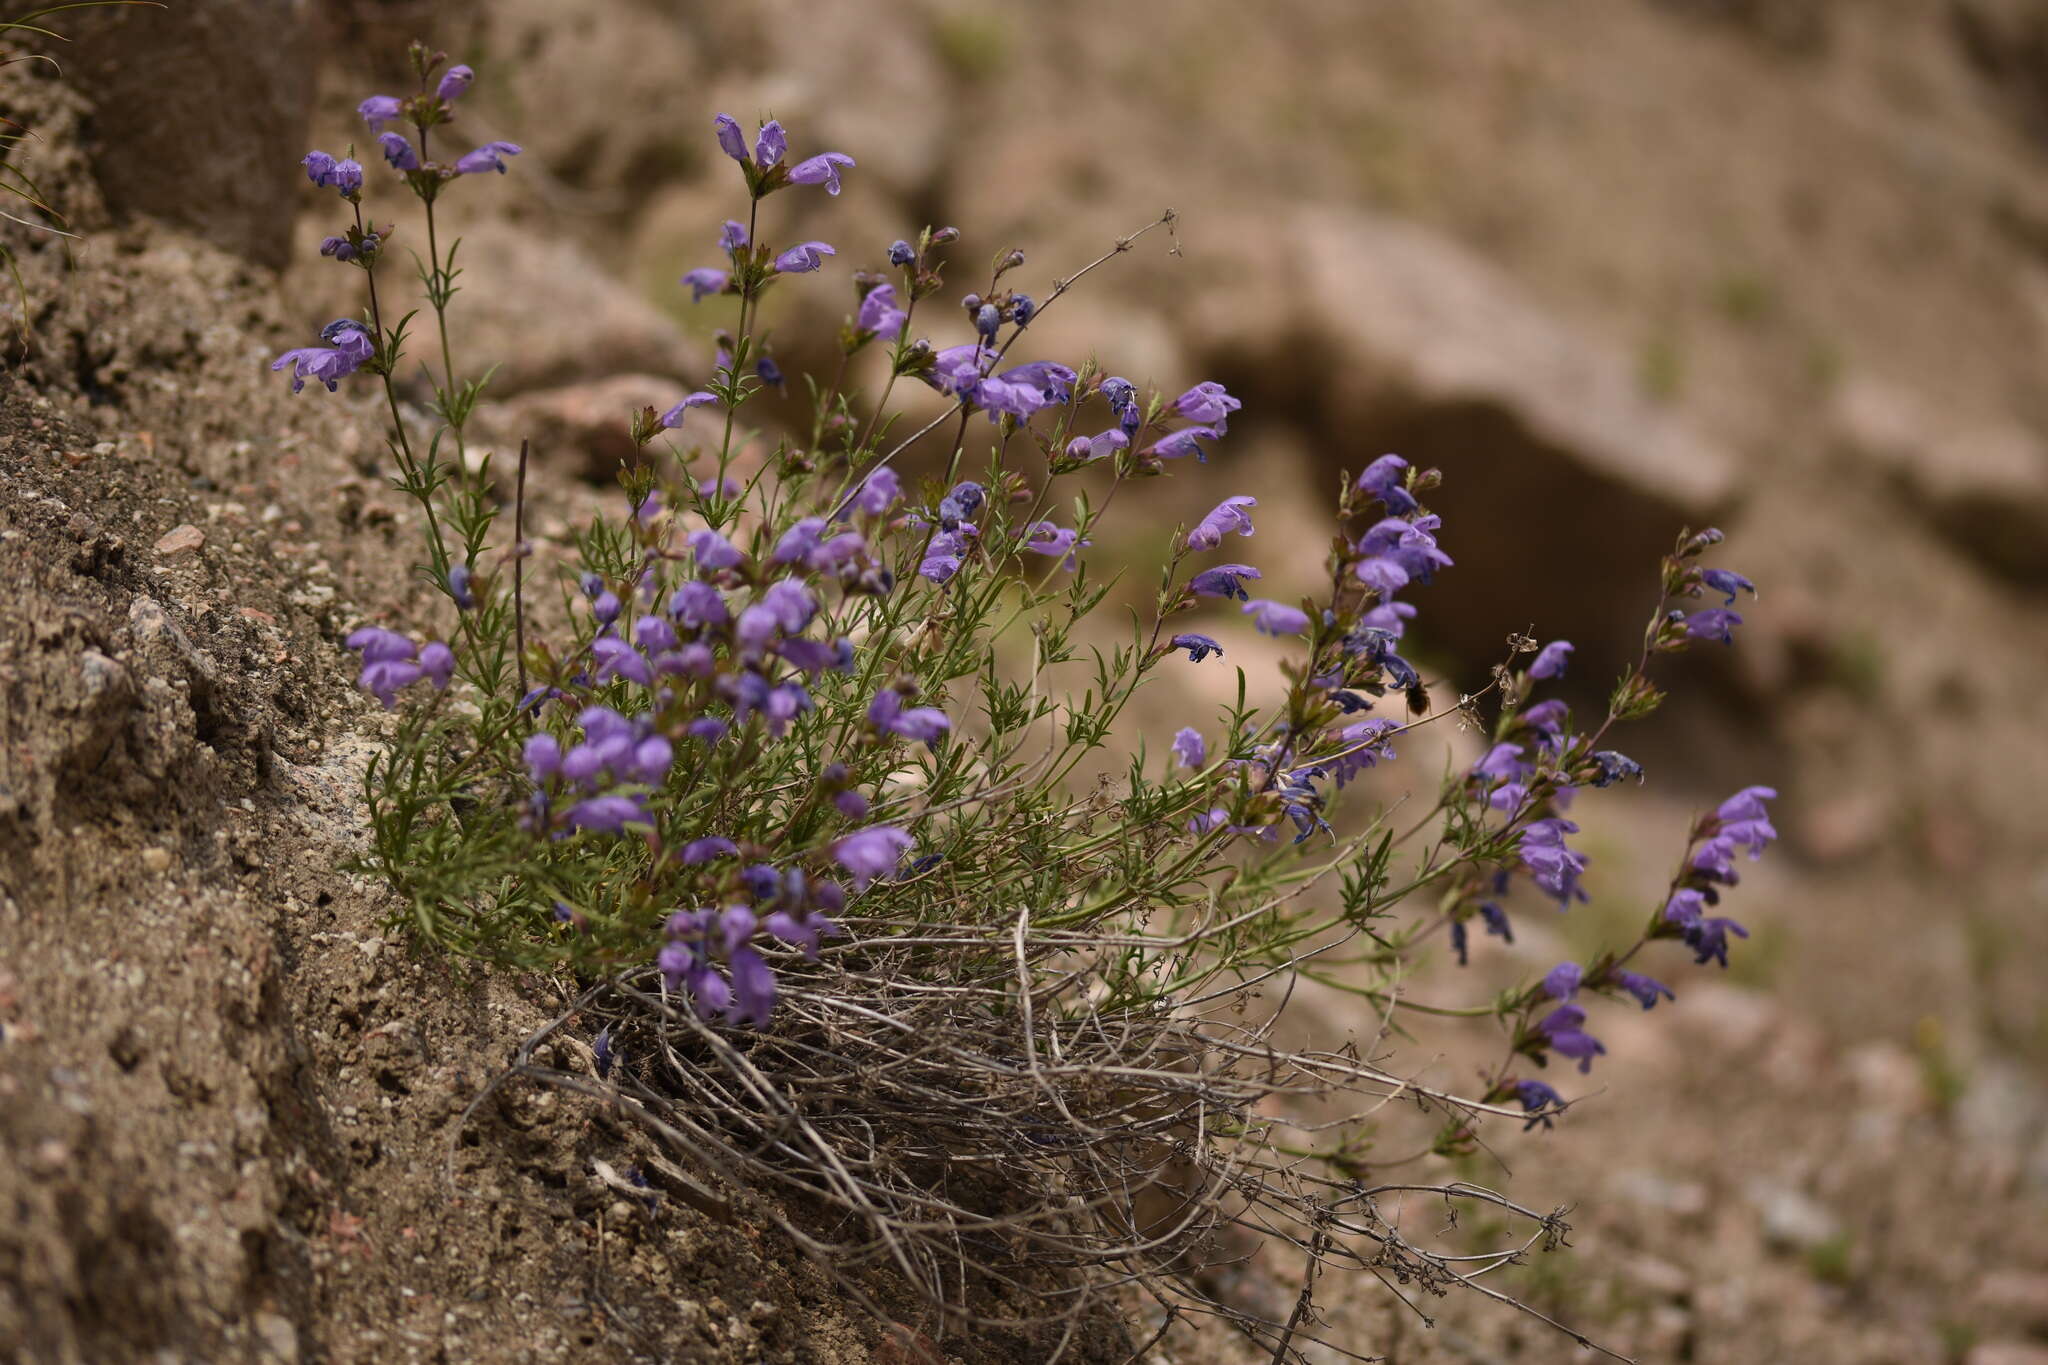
point(180, 539)
point(157, 859)
point(75, 458)
point(280, 1338)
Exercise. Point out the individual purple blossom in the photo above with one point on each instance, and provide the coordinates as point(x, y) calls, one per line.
point(673, 418)
point(802, 931)
point(609, 814)
point(822, 169)
point(1548, 719)
point(1615, 766)
point(730, 139)
point(799, 541)
point(399, 152)
point(543, 755)
point(943, 556)
point(606, 607)
point(1539, 1101)
point(1383, 575)
point(1708, 938)
point(1562, 981)
point(1727, 581)
point(437, 661)
point(1044, 538)
point(1384, 480)
point(1503, 763)
point(961, 502)
point(1199, 647)
point(704, 280)
point(725, 486)
point(791, 604)
point(1714, 623)
point(693, 660)
point(379, 110)
point(920, 724)
point(345, 176)
point(1223, 580)
point(1551, 659)
point(1212, 819)
point(1410, 544)
point(1227, 516)
point(1186, 441)
point(1189, 748)
point(617, 659)
point(851, 804)
point(1275, 618)
point(1496, 920)
point(696, 604)
point(769, 145)
point(872, 852)
point(732, 236)
point(901, 252)
point(350, 350)
point(1645, 989)
point(1207, 403)
point(1026, 389)
point(705, 849)
point(454, 81)
point(1097, 446)
point(489, 157)
point(878, 492)
point(713, 550)
point(879, 312)
point(988, 320)
point(803, 258)
point(1554, 868)
point(1685, 907)
point(1563, 1027)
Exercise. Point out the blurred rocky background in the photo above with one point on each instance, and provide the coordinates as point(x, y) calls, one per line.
point(1614, 267)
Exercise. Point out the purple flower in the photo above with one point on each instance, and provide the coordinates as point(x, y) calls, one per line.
point(879, 313)
point(1208, 404)
point(454, 81)
point(1562, 981)
point(804, 258)
point(1643, 988)
point(1227, 516)
point(1212, 819)
point(1097, 446)
point(879, 492)
point(673, 418)
point(1223, 580)
point(654, 635)
point(942, 557)
point(1385, 479)
point(1275, 618)
point(791, 604)
point(901, 252)
point(961, 502)
point(1175, 445)
point(437, 662)
point(1614, 766)
point(798, 541)
point(1503, 763)
point(379, 110)
point(697, 604)
point(617, 659)
point(705, 849)
point(1747, 805)
point(459, 577)
point(1044, 538)
point(730, 140)
point(753, 987)
point(704, 280)
point(1551, 659)
point(609, 814)
point(1547, 719)
point(1728, 581)
point(1553, 867)
point(399, 152)
point(1715, 623)
point(1562, 1027)
point(543, 753)
point(1383, 575)
point(1685, 907)
point(329, 364)
point(1539, 1101)
point(378, 645)
point(920, 724)
point(851, 804)
point(489, 157)
point(872, 852)
point(769, 372)
point(732, 236)
point(606, 607)
point(1026, 389)
point(820, 170)
point(1189, 748)
point(1708, 938)
point(1199, 647)
point(713, 551)
point(770, 144)
point(1496, 921)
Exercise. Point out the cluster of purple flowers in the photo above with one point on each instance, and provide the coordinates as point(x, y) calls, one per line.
point(392, 663)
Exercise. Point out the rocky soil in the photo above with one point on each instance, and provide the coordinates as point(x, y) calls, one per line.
point(1612, 266)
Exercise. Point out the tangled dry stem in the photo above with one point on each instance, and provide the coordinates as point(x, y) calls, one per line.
point(966, 1107)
